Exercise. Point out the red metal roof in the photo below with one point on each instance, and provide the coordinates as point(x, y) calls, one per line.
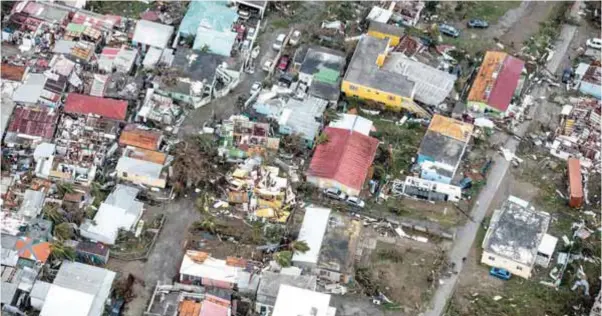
point(12, 72)
point(345, 158)
point(38, 122)
point(106, 21)
point(85, 104)
point(506, 83)
point(575, 182)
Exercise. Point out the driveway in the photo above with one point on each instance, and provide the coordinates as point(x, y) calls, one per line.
point(466, 235)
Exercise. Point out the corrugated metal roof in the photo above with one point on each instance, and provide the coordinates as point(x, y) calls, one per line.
point(218, 42)
point(142, 138)
point(506, 83)
point(12, 72)
point(31, 90)
point(40, 122)
point(214, 15)
point(345, 158)
point(575, 181)
point(139, 167)
point(108, 108)
point(451, 127)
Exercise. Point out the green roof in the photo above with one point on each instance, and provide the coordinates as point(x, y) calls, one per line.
point(76, 28)
point(326, 75)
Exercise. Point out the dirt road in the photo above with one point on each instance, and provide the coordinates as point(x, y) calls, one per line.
point(466, 235)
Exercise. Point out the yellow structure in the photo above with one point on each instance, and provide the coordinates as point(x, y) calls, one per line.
point(386, 31)
point(367, 79)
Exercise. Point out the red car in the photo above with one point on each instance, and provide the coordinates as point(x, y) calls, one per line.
point(283, 63)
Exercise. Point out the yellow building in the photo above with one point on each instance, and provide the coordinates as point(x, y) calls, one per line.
point(367, 79)
point(386, 31)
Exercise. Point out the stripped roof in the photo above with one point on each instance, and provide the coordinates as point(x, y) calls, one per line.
point(146, 155)
point(132, 135)
point(40, 122)
point(12, 72)
point(593, 74)
point(108, 108)
point(496, 80)
point(346, 157)
point(32, 249)
point(451, 127)
point(189, 308)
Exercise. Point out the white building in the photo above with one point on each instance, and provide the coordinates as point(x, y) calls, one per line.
point(120, 210)
point(515, 237)
point(431, 190)
point(294, 301)
point(312, 232)
point(354, 123)
point(78, 290)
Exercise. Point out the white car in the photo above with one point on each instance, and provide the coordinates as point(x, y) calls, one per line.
point(255, 87)
point(251, 32)
point(335, 193)
point(267, 65)
point(355, 201)
point(279, 41)
point(594, 43)
point(294, 40)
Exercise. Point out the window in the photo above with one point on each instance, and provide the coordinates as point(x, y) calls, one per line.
point(519, 268)
point(124, 174)
point(391, 98)
point(376, 93)
point(491, 258)
point(352, 87)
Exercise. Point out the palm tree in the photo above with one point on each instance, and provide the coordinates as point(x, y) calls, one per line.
point(63, 231)
point(299, 246)
point(207, 224)
point(284, 258)
point(64, 188)
point(59, 251)
point(322, 139)
point(51, 212)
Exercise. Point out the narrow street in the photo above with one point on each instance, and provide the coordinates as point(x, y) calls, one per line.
point(466, 235)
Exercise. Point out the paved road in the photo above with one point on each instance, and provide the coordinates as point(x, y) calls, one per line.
point(466, 235)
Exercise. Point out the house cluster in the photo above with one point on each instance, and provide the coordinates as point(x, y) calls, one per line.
point(89, 105)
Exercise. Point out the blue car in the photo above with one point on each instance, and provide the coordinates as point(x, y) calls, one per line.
point(500, 273)
point(448, 30)
point(478, 24)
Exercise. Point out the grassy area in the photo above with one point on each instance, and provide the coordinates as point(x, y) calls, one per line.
point(130, 9)
point(490, 11)
point(280, 23)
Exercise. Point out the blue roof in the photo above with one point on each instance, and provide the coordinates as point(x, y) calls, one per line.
point(219, 43)
point(209, 14)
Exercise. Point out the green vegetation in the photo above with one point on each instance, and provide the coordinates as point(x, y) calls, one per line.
point(130, 9)
point(280, 23)
point(284, 258)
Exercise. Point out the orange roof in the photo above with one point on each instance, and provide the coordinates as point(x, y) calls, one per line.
point(189, 308)
point(12, 72)
point(134, 136)
point(451, 127)
point(197, 256)
point(236, 262)
point(29, 249)
point(575, 184)
point(147, 155)
point(484, 79)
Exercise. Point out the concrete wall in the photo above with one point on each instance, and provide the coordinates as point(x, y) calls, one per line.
point(135, 178)
point(514, 267)
point(390, 101)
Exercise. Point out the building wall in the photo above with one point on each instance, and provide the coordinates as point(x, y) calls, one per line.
point(153, 182)
point(325, 183)
point(307, 78)
point(515, 268)
point(393, 39)
point(390, 101)
point(266, 308)
point(434, 176)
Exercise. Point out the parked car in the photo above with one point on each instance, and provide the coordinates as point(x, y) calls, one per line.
point(335, 193)
point(355, 201)
point(117, 307)
point(283, 63)
point(478, 24)
point(267, 65)
point(500, 273)
point(567, 75)
point(251, 32)
point(594, 43)
point(255, 87)
point(294, 40)
point(279, 41)
point(448, 30)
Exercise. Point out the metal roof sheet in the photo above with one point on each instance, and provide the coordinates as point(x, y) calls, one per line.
point(450, 127)
point(152, 34)
point(84, 104)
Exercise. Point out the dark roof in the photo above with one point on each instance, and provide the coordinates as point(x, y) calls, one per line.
point(12, 72)
point(386, 28)
point(32, 121)
point(56, 86)
point(85, 104)
point(364, 71)
point(202, 68)
point(299, 55)
point(91, 247)
point(325, 91)
point(318, 57)
point(346, 157)
point(440, 148)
